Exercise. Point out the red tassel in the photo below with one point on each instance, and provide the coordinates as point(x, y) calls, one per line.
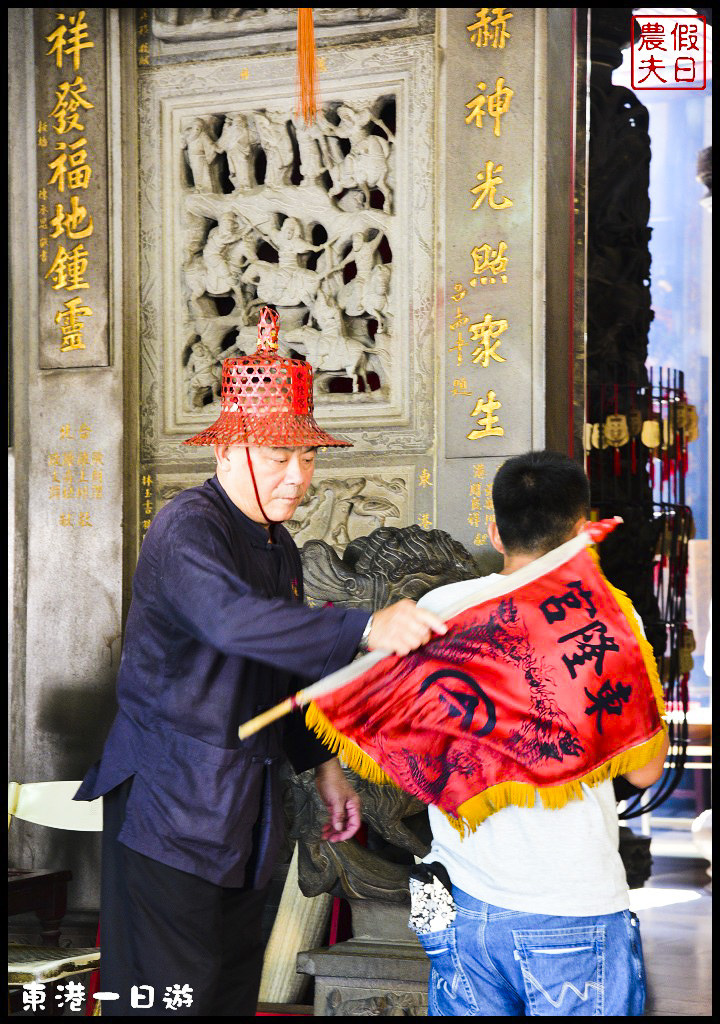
point(616, 462)
point(307, 65)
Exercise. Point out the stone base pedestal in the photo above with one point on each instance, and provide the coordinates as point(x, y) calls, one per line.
point(368, 978)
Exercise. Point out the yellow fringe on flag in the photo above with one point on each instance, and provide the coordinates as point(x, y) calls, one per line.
point(474, 811)
point(626, 607)
point(354, 756)
point(521, 794)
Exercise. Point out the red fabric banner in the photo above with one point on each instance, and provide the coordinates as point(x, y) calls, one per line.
point(547, 686)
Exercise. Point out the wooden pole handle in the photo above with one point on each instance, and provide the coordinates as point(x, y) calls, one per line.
point(260, 721)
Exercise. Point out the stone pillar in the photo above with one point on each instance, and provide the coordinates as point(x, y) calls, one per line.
point(507, 119)
point(66, 296)
point(300, 924)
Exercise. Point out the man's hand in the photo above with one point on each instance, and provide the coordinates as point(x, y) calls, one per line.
point(403, 627)
point(341, 800)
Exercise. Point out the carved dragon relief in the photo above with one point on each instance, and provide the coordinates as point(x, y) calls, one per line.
point(339, 506)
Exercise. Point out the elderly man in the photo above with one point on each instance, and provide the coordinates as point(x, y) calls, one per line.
point(216, 633)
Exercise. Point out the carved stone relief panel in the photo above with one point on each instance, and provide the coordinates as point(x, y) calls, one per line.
point(242, 206)
point(340, 506)
point(178, 32)
point(184, 23)
point(354, 999)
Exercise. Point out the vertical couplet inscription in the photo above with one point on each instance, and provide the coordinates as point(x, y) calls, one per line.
point(71, 187)
point(489, 297)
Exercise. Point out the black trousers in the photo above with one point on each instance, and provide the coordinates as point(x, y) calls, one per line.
point(164, 932)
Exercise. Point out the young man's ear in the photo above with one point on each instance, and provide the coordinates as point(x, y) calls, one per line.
point(578, 527)
point(494, 536)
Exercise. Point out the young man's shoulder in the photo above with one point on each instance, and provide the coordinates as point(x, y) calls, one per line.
point(443, 597)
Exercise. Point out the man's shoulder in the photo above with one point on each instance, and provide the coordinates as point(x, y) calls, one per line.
point(201, 502)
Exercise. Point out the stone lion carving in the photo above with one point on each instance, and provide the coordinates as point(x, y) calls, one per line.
point(391, 563)
point(374, 571)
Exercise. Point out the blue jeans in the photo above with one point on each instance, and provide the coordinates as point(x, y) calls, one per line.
point(505, 963)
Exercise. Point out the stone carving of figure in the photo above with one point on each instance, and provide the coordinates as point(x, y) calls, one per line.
point(365, 293)
point(376, 296)
point(272, 129)
point(330, 349)
point(219, 278)
point(313, 152)
point(326, 514)
point(194, 234)
point(366, 166)
point(312, 518)
point(218, 270)
point(202, 151)
point(235, 142)
point(349, 500)
point(324, 319)
point(286, 283)
point(240, 255)
point(202, 374)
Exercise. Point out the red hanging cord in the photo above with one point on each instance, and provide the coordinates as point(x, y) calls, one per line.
point(270, 522)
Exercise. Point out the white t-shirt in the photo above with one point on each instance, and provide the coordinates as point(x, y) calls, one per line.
point(563, 862)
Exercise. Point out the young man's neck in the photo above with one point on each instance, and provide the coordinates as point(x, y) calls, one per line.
point(511, 563)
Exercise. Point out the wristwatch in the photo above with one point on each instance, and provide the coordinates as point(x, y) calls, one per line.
point(363, 645)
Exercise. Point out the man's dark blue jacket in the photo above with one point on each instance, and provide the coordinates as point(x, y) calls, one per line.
point(216, 632)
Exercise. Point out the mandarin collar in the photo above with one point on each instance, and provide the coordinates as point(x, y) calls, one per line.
point(257, 534)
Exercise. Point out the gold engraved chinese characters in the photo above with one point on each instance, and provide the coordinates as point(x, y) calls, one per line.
point(69, 39)
point(489, 180)
point(487, 332)
point(71, 326)
point(143, 34)
point(496, 105)
point(70, 91)
point(147, 502)
point(487, 421)
point(486, 111)
point(490, 29)
point(75, 475)
point(489, 264)
point(481, 505)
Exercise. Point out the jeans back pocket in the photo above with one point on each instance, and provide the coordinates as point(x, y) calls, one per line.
point(449, 991)
point(563, 970)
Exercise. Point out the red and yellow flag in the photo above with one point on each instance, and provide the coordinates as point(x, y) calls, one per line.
point(544, 683)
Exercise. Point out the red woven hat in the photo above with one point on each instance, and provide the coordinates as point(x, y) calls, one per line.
point(267, 400)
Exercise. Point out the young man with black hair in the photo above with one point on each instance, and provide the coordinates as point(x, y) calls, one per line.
point(542, 923)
